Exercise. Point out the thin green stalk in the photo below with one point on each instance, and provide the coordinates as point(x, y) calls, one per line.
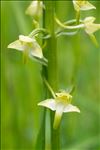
point(49, 88)
point(52, 69)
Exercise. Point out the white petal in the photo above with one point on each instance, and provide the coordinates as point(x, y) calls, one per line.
point(32, 9)
point(90, 29)
point(49, 103)
point(36, 50)
point(71, 108)
point(16, 45)
point(35, 8)
point(89, 20)
point(26, 39)
point(82, 5)
point(87, 6)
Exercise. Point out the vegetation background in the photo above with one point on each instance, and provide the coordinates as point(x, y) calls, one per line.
point(21, 85)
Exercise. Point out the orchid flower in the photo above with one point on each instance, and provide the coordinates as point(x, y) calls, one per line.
point(35, 9)
point(91, 27)
point(28, 45)
point(82, 5)
point(60, 104)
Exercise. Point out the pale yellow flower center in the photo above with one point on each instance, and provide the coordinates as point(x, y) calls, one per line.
point(64, 98)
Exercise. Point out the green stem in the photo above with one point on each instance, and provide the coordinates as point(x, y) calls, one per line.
point(52, 64)
point(41, 142)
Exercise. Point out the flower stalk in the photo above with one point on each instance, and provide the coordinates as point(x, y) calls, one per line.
point(52, 63)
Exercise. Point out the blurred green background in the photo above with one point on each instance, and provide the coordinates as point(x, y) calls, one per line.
point(22, 89)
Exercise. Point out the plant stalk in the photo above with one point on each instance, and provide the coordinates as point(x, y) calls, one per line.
point(52, 69)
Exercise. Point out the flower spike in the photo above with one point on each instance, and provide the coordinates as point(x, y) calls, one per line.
point(61, 104)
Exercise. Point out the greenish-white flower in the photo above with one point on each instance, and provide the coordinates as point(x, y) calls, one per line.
point(35, 9)
point(83, 5)
point(28, 45)
point(61, 104)
point(90, 27)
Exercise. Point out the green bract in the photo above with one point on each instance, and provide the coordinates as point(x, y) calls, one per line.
point(82, 5)
point(28, 45)
point(61, 104)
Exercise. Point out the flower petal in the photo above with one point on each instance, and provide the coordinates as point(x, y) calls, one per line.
point(87, 6)
point(16, 45)
point(82, 5)
point(35, 8)
point(32, 9)
point(89, 20)
point(36, 50)
point(90, 27)
point(26, 39)
point(49, 103)
point(71, 108)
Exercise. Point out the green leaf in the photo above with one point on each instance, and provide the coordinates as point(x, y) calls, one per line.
point(40, 143)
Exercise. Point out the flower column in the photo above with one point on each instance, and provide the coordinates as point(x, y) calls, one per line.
point(52, 63)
